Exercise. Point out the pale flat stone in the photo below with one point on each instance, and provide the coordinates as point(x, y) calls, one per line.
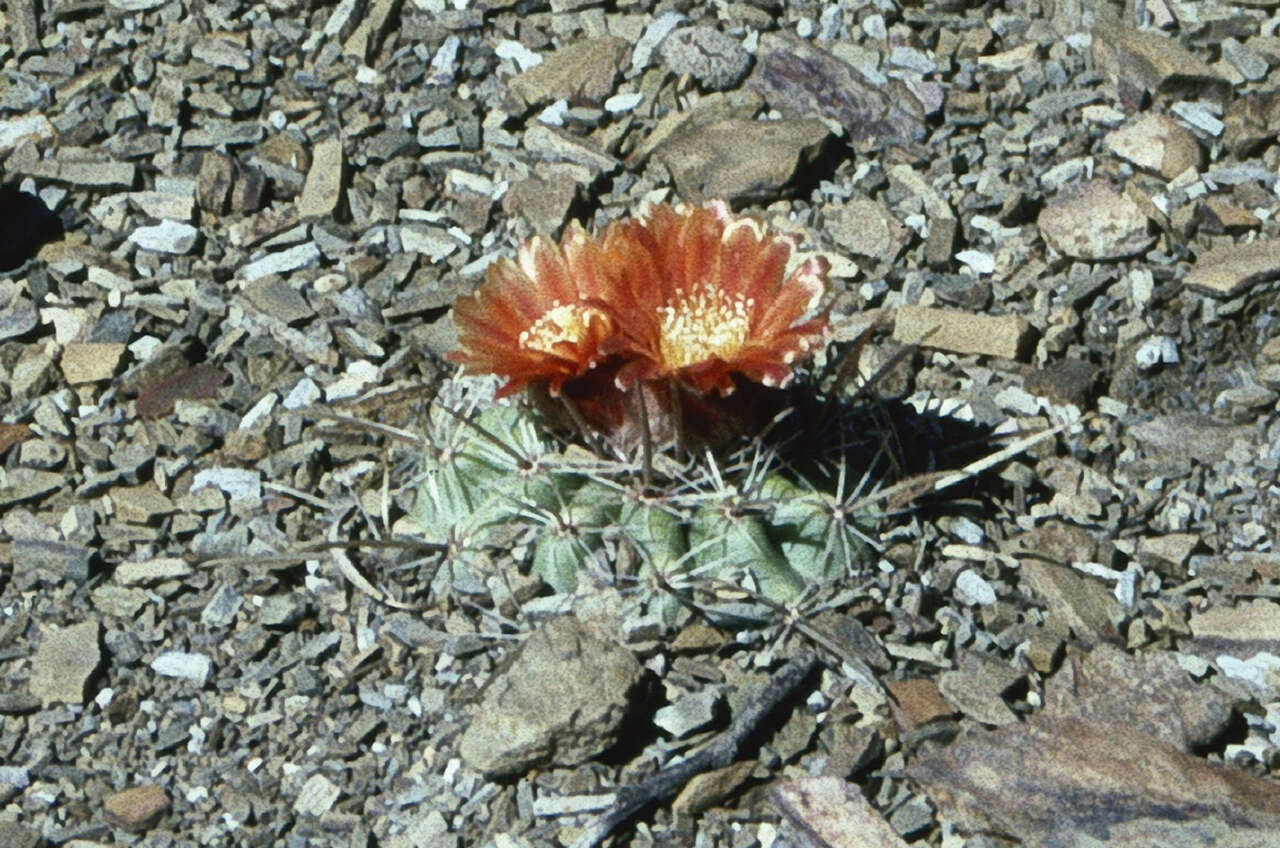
point(317, 796)
point(583, 71)
point(323, 189)
point(64, 662)
point(90, 362)
point(961, 332)
point(188, 666)
point(304, 255)
point(1095, 222)
point(1226, 271)
point(1155, 142)
point(29, 127)
point(166, 237)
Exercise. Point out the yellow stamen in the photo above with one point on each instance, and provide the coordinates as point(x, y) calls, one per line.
point(561, 324)
point(703, 325)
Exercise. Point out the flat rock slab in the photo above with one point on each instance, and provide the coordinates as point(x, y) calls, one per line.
point(800, 80)
point(1095, 222)
point(1148, 693)
point(64, 662)
point(323, 189)
point(739, 159)
point(585, 71)
point(136, 809)
point(90, 362)
point(1075, 783)
point(1228, 270)
point(561, 701)
point(961, 332)
point(1155, 142)
point(835, 812)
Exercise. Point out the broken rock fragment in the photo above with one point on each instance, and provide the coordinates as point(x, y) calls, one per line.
point(1093, 221)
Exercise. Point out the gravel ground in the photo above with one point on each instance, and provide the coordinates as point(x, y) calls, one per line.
point(230, 237)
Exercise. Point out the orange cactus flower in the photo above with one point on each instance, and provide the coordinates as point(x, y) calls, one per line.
point(537, 319)
point(702, 297)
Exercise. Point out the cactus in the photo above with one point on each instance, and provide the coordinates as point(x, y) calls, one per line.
point(493, 479)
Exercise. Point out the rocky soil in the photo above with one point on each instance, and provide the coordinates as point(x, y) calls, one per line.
point(230, 236)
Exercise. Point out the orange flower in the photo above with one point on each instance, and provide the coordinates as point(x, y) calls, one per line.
point(701, 296)
point(537, 319)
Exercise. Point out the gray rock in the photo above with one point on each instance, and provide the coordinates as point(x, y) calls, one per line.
point(166, 237)
point(222, 607)
point(714, 59)
point(561, 701)
point(691, 712)
point(36, 561)
point(188, 666)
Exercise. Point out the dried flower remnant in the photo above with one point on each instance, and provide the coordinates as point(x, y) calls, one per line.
point(537, 319)
point(703, 297)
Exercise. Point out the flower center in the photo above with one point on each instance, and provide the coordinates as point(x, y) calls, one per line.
point(703, 325)
point(561, 324)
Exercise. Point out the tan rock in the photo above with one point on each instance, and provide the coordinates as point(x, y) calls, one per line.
point(961, 332)
point(1087, 606)
point(1095, 222)
point(1151, 61)
point(136, 809)
point(834, 812)
point(323, 189)
point(739, 159)
point(1155, 142)
point(90, 362)
point(1227, 270)
point(64, 662)
point(582, 72)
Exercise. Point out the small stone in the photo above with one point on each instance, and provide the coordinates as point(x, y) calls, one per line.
point(152, 571)
point(221, 53)
point(711, 57)
point(691, 712)
point(14, 131)
point(556, 144)
point(1149, 60)
point(64, 662)
point(166, 237)
point(317, 797)
point(865, 228)
point(740, 159)
point(305, 255)
point(542, 199)
point(136, 809)
point(240, 484)
point(323, 189)
point(961, 332)
point(222, 607)
point(802, 80)
point(14, 835)
point(1155, 142)
point(972, 588)
point(583, 72)
point(1245, 398)
point(1227, 270)
point(434, 243)
point(1155, 350)
point(711, 788)
point(141, 504)
point(187, 666)
point(90, 362)
point(916, 701)
point(1095, 222)
point(1199, 115)
point(1251, 64)
point(38, 561)
point(561, 700)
